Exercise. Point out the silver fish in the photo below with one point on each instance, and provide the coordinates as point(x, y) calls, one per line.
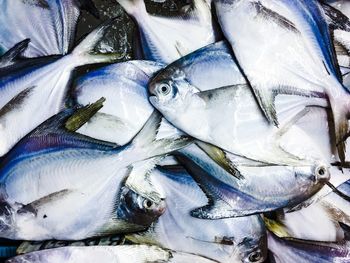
point(261, 188)
point(225, 240)
point(289, 250)
point(105, 254)
point(294, 41)
point(200, 96)
point(53, 173)
point(50, 25)
point(124, 85)
point(165, 39)
point(33, 92)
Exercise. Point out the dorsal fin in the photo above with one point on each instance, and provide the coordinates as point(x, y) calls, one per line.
point(14, 53)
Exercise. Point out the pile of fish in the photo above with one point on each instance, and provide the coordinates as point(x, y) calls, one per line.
point(222, 140)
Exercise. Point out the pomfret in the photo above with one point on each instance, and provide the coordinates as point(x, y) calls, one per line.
point(295, 52)
point(261, 189)
point(289, 250)
point(49, 24)
point(165, 39)
point(124, 85)
point(224, 240)
point(198, 95)
point(53, 173)
point(108, 254)
point(33, 92)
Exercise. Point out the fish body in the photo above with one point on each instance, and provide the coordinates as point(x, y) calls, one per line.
point(198, 95)
point(167, 39)
point(33, 92)
point(59, 17)
point(61, 173)
point(124, 85)
point(294, 41)
point(295, 250)
point(107, 254)
point(260, 189)
point(224, 240)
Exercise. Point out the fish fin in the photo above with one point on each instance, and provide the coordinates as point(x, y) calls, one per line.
point(335, 18)
point(139, 181)
point(35, 205)
point(276, 227)
point(85, 49)
point(90, 7)
point(340, 49)
point(17, 100)
point(83, 115)
point(50, 25)
point(134, 8)
point(346, 230)
point(220, 157)
point(274, 17)
point(146, 139)
point(14, 53)
point(216, 208)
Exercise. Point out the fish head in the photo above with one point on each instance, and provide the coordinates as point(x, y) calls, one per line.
point(137, 209)
point(171, 94)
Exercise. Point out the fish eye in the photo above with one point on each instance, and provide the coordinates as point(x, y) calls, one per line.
point(164, 89)
point(321, 172)
point(147, 204)
point(255, 256)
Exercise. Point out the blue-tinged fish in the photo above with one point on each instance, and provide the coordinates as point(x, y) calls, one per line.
point(36, 89)
point(289, 250)
point(260, 189)
point(124, 85)
point(295, 52)
point(165, 39)
point(225, 240)
point(49, 24)
point(108, 254)
point(205, 95)
point(57, 184)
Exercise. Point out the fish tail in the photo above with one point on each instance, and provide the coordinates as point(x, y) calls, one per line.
point(146, 140)
point(85, 52)
point(133, 7)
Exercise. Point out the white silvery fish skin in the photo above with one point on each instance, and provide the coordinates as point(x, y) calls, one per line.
point(30, 95)
point(49, 24)
point(294, 41)
point(126, 108)
point(231, 119)
point(108, 254)
point(59, 185)
point(222, 240)
point(167, 39)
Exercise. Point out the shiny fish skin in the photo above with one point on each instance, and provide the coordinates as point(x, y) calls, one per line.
point(117, 254)
point(294, 40)
point(224, 240)
point(167, 39)
point(60, 173)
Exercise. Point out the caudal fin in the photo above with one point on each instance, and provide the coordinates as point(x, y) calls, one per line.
point(85, 52)
point(133, 7)
point(147, 143)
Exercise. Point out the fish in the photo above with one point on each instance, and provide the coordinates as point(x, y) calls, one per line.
point(225, 240)
point(51, 28)
point(297, 250)
point(260, 189)
point(36, 89)
point(107, 254)
point(294, 41)
point(14, 54)
point(319, 221)
point(53, 172)
point(165, 39)
point(126, 110)
point(198, 95)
